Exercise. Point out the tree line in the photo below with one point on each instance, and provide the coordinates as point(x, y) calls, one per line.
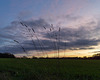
point(9, 55)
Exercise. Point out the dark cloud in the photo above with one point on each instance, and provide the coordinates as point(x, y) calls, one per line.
point(47, 45)
point(18, 32)
point(83, 48)
point(70, 34)
point(84, 43)
point(28, 45)
point(81, 44)
point(36, 24)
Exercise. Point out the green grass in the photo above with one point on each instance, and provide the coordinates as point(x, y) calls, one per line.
point(49, 69)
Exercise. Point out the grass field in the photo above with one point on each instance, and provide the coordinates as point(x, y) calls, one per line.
point(49, 69)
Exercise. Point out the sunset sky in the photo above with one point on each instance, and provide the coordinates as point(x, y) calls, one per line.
point(48, 27)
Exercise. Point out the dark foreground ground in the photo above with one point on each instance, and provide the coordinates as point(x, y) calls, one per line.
point(49, 69)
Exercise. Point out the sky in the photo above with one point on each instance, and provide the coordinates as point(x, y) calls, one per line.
point(50, 28)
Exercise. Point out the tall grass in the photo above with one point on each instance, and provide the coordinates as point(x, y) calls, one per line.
point(48, 31)
point(21, 46)
point(55, 38)
point(41, 48)
point(40, 43)
point(33, 42)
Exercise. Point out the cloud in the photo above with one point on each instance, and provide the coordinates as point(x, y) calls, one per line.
point(36, 23)
point(84, 43)
point(70, 34)
point(15, 30)
point(44, 38)
point(82, 48)
point(47, 45)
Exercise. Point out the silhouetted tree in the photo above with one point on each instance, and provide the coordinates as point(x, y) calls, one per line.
point(6, 55)
point(24, 57)
point(34, 57)
point(96, 56)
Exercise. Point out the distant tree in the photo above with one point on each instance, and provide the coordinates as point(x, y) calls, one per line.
point(84, 57)
point(34, 57)
point(96, 56)
point(41, 57)
point(6, 55)
point(24, 57)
